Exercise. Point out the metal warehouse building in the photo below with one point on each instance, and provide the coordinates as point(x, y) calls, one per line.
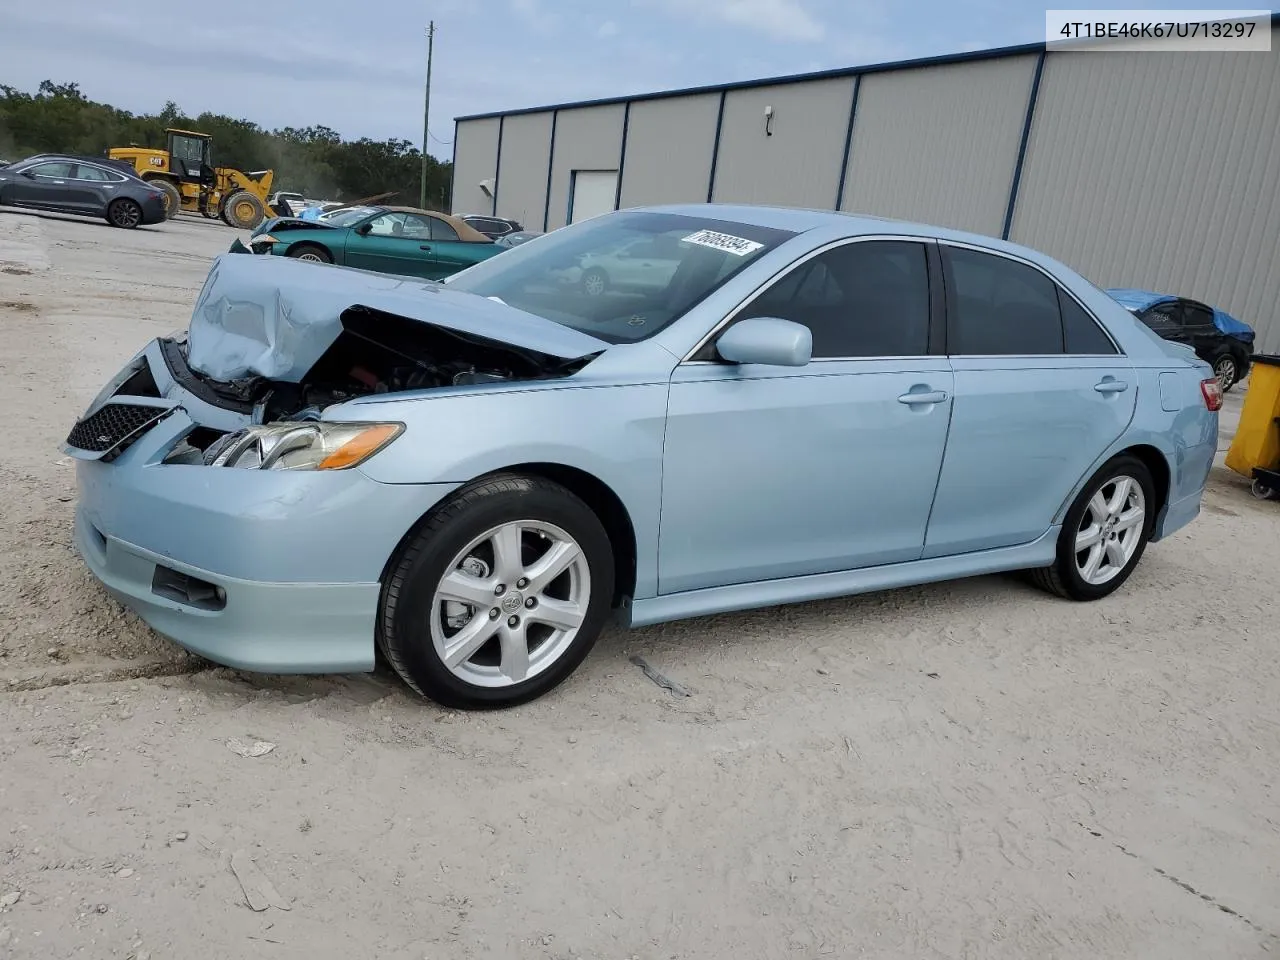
point(1152, 170)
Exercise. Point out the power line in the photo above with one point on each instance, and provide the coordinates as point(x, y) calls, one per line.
point(443, 143)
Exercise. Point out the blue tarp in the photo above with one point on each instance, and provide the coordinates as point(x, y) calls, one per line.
point(1138, 300)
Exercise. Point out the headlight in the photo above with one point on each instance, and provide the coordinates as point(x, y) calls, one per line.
point(264, 238)
point(303, 446)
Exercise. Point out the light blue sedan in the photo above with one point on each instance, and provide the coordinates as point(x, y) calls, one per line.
point(475, 476)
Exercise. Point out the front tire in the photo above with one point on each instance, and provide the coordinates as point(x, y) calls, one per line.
point(499, 596)
point(310, 254)
point(1104, 534)
point(124, 213)
point(243, 210)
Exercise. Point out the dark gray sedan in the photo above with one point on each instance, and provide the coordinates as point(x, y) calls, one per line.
point(69, 184)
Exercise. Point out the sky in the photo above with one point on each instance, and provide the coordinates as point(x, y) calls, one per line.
point(359, 68)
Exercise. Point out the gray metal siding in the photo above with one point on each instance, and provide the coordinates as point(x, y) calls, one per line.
point(586, 139)
point(939, 144)
point(799, 165)
point(475, 159)
point(669, 145)
point(522, 173)
point(1162, 171)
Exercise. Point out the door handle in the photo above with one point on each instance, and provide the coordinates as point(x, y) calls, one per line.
point(1111, 386)
point(425, 246)
point(934, 396)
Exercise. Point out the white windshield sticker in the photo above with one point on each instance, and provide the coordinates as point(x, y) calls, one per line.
point(738, 246)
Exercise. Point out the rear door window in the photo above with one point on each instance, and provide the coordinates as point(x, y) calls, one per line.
point(1000, 307)
point(88, 172)
point(1082, 333)
point(442, 230)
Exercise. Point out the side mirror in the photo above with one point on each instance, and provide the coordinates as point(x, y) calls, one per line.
point(767, 340)
point(29, 174)
point(364, 229)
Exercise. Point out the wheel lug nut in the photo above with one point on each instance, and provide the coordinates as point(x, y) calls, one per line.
point(500, 589)
point(494, 614)
point(521, 583)
point(513, 622)
point(531, 602)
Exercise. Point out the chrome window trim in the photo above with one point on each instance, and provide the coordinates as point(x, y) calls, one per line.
point(795, 265)
point(977, 248)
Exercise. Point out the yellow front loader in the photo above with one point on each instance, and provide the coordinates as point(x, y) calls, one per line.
point(185, 172)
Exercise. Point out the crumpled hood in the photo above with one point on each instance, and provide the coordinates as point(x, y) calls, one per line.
point(274, 317)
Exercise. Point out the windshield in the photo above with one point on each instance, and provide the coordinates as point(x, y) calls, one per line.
point(621, 277)
point(347, 216)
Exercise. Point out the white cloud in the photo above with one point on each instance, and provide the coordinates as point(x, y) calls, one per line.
point(783, 19)
point(607, 29)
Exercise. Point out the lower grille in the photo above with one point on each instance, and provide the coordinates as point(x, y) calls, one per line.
point(112, 425)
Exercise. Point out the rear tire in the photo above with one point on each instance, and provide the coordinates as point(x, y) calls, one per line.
point(172, 198)
point(1226, 370)
point(124, 213)
point(1104, 533)
point(310, 254)
point(243, 210)
point(530, 627)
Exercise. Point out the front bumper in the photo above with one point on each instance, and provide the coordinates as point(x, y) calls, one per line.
point(272, 571)
point(257, 626)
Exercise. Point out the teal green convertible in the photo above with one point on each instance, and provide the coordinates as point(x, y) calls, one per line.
point(401, 240)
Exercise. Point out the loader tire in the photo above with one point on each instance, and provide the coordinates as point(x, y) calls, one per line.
point(243, 210)
point(172, 198)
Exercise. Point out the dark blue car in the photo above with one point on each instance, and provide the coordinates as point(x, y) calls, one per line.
point(1218, 338)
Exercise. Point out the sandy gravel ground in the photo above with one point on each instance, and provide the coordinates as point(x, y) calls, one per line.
point(968, 770)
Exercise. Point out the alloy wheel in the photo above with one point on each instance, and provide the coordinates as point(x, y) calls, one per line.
point(1225, 371)
point(126, 213)
point(511, 603)
point(1111, 530)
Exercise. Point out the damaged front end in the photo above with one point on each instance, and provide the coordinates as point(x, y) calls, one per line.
point(274, 348)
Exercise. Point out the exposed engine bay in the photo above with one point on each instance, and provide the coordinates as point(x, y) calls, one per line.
point(377, 353)
point(273, 343)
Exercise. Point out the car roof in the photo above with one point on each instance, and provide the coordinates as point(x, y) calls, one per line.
point(119, 166)
point(464, 230)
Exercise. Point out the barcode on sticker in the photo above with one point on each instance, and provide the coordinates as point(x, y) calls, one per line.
point(738, 246)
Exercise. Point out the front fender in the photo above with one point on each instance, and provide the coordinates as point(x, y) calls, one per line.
point(613, 433)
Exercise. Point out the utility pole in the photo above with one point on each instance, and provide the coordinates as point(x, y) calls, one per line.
point(426, 115)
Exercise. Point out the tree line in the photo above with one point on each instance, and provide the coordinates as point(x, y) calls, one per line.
point(314, 161)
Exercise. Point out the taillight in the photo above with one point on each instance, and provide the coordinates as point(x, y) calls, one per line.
point(1211, 390)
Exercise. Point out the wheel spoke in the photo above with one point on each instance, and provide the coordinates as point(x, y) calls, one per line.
point(1090, 569)
point(1130, 518)
point(1098, 507)
point(561, 614)
point(543, 571)
point(1087, 538)
point(515, 653)
point(507, 553)
point(465, 588)
point(462, 646)
point(1120, 497)
point(1116, 554)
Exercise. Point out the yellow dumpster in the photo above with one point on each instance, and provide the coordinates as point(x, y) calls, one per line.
point(1255, 449)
